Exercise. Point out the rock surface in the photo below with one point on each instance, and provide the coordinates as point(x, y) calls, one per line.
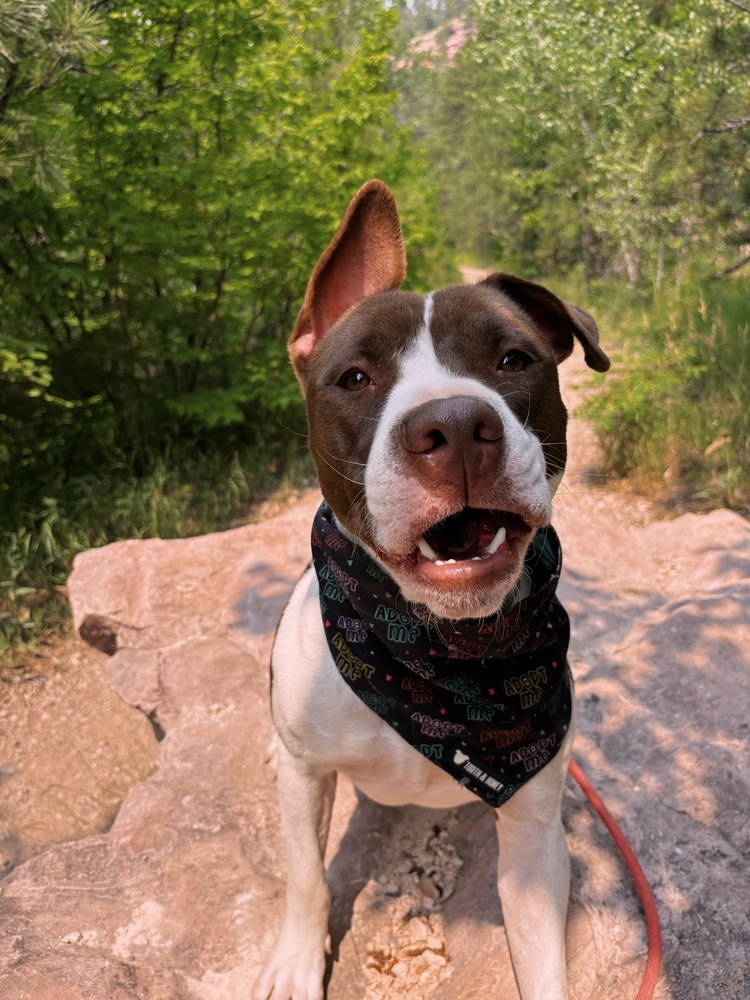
point(70, 750)
point(181, 897)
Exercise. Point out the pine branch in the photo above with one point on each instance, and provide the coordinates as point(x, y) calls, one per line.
point(731, 126)
point(731, 270)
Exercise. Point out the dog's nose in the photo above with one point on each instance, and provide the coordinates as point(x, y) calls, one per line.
point(454, 440)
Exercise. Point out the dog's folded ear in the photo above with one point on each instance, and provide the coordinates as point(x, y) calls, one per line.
point(559, 321)
point(364, 257)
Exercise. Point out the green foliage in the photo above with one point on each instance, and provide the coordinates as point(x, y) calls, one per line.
point(582, 138)
point(39, 45)
point(676, 406)
point(169, 174)
point(579, 131)
point(208, 155)
point(208, 491)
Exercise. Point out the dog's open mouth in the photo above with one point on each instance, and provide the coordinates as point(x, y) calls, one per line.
point(471, 534)
point(463, 566)
point(473, 547)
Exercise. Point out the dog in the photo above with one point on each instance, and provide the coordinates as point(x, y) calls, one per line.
point(423, 653)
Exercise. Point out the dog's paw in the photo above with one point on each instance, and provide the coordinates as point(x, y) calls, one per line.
point(293, 971)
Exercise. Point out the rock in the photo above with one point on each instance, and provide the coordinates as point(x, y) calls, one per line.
point(183, 895)
point(72, 750)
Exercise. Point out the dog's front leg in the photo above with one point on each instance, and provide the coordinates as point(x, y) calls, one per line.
point(294, 969)
point(533, 881)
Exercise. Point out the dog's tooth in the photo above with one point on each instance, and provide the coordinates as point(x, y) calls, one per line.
point(427, 552)
point(496, 542)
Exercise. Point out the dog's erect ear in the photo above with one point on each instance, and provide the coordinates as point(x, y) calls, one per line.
point(365, 256)
point(559, 321)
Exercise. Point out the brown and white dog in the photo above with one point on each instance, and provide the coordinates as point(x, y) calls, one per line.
point(438, 433)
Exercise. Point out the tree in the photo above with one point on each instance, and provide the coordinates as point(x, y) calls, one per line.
point(195, 164)
point(579, 131)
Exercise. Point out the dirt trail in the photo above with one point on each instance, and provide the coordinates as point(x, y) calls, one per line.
point(182, 896)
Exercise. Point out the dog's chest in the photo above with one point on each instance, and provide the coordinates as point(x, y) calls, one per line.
point(319, 718)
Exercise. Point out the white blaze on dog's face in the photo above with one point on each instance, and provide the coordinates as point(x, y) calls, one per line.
point(435, 422)
point(457, 478)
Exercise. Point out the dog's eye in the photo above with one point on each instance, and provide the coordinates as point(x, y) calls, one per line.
point(354, 380)
point(514, 361)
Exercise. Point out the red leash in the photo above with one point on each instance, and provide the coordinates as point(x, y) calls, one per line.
point(653, 928)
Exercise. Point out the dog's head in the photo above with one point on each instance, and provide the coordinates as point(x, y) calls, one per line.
point(435, 422)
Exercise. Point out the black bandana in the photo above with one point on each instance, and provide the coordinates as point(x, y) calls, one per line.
point(488, 700)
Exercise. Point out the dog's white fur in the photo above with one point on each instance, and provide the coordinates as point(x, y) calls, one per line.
point(322, 726)
point(533, 858)
point(309, 694)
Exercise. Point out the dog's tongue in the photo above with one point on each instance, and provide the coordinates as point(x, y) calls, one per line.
point(466, 534)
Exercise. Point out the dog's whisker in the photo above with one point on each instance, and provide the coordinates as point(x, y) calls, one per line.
point(333, 467)
point(346, 461)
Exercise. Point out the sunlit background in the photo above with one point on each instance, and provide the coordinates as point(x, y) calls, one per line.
point(170, 172)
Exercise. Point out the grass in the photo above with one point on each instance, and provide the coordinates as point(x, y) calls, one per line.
point(206, 493)
point(674, 413)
